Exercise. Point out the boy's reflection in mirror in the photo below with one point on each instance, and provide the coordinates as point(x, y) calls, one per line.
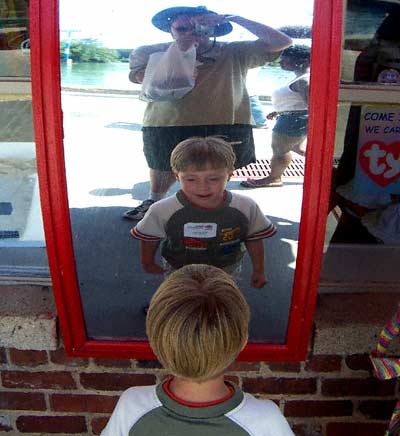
point(217, 105)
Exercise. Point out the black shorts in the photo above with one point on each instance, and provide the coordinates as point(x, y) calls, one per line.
point(158, 142)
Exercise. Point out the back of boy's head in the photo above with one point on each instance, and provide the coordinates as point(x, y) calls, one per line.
point(202, 152)
point(197, 322)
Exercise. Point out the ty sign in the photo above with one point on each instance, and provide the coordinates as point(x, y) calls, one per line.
point(378, 158)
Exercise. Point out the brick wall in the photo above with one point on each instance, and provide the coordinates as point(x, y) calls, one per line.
point(46, 392)
point(332, 393)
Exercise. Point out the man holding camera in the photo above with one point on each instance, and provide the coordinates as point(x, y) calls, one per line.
point(217, 105)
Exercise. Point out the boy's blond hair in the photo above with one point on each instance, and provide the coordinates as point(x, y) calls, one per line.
point(201, 152)
point(197, 322)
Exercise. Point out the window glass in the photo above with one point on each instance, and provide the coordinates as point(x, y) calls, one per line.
point(363, 229)
point(22, 247)
point(371, 50)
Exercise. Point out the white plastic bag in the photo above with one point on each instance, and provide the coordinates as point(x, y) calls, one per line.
point(169, 75)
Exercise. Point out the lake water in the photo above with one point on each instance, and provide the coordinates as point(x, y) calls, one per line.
point(115, 76)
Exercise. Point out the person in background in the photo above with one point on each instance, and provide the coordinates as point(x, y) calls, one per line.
point(291, 112)
point(203, 222)
point(197, 324)
point(217, 105)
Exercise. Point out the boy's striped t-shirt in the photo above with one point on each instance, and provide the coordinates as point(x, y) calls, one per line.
point(149, 410)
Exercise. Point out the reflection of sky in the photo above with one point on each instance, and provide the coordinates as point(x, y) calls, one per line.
point(124, 24)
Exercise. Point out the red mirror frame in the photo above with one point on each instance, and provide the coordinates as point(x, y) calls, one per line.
point(46, 96)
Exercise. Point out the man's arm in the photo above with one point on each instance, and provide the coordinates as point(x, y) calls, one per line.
point(274, 39)
point(136, 76)
point(138, 59)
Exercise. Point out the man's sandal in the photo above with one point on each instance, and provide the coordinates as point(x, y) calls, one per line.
point(254, 183)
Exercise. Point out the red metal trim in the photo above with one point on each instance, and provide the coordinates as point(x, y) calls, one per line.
point(48, 135)
point(325, 74)
point(47, 118)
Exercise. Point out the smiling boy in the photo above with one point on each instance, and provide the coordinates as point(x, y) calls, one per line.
point(203, 222)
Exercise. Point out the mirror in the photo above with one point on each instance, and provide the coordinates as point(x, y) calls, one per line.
point(100, 307)
point(107, 173)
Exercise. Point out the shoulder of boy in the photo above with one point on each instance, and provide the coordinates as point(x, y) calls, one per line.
point(134, 403)
point(265, 417)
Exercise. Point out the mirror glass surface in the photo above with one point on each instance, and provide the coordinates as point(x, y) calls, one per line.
point(363, 223)
point(107, 172)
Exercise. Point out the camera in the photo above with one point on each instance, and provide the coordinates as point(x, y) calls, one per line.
point(204, 30)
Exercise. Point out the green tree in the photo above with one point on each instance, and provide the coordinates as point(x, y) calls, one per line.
point(297, 31)
point(89, 50)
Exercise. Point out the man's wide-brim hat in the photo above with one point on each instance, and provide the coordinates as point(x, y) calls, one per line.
point(163, 19)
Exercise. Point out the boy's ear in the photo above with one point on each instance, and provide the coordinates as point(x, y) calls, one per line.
point(230, 175)
point(176, 176)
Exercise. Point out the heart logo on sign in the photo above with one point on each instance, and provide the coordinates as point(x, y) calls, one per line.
point(381, 161)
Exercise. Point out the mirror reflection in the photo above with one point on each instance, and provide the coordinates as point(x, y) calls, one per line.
point(363, 224)
point(228, 72)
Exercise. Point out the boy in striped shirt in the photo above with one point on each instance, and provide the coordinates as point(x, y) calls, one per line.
point(203, 222)
point(197, 324)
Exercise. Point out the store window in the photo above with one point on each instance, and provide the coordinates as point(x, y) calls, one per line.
point(363, 233)
point(22, 247)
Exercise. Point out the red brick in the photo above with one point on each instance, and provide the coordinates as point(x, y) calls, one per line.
point(51, 424)
point(374, 409)
point(98, 424)
point(323, 363)
point(148, 364)
point(280, 385)
point(83, 403)
point(314, 408)
point(113, 363)
point(59, 357)
point(232, 378)
point(359, 362)
point(244, 366)
point(340, 387)
point(284, 366)
point(38, 380)
point(354, 429)
point(22, 401)
point(3, 355)
point(306, 429)
point(115, 382)
point(28, 357)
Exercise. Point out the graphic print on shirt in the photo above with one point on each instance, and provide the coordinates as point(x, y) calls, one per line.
point(198, 236)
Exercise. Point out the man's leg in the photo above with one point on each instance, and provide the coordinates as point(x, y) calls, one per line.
point(158, 144)
point(160, 182)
